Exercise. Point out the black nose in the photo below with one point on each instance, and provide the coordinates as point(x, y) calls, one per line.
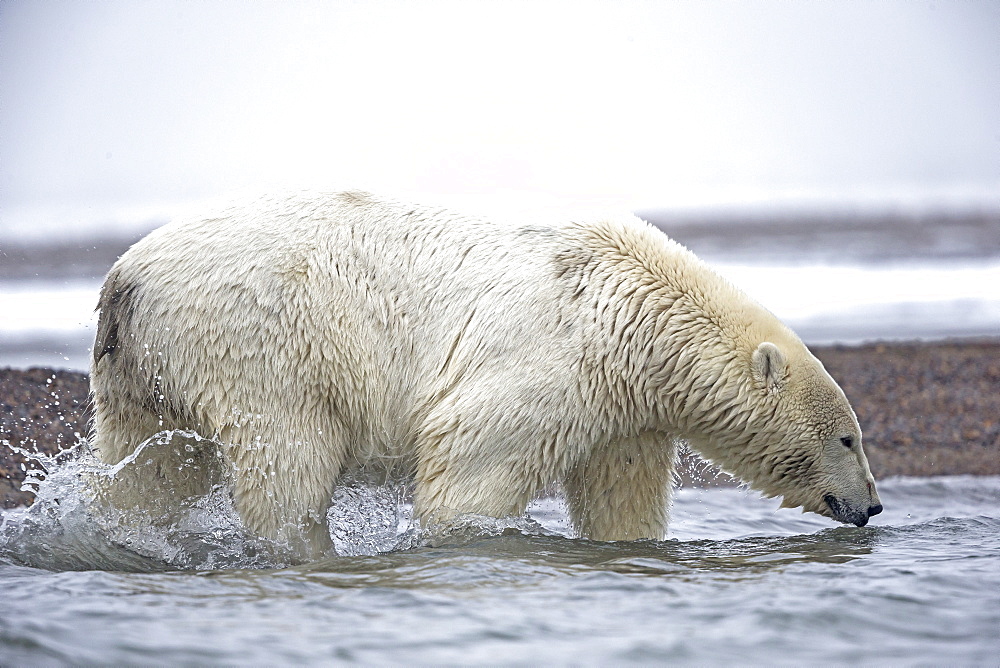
point(875, 510)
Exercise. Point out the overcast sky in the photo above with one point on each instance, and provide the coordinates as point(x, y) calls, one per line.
point(647, 103)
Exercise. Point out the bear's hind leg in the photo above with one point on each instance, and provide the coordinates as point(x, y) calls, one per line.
point(451, 482)
point(170, 468)
point(622, 491)
point(283, 493)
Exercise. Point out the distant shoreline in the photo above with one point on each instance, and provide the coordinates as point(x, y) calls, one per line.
point(750, 234)
point(926, 408)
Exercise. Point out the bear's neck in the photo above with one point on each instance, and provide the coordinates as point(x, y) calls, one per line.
point(670, 345)
point(668, 335)
point(652, 368)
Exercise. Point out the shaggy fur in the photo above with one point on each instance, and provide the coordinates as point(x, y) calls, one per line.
point(310, 336)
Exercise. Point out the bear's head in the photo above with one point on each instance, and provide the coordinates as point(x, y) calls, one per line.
point(792, 433)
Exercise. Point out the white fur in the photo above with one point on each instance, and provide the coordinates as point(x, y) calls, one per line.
point(313, 335)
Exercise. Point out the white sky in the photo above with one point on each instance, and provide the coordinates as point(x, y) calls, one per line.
point(644, 103)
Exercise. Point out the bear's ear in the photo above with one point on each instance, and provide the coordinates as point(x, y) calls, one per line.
point(769, 365)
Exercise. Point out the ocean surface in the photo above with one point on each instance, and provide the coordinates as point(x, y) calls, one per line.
point(737, 582)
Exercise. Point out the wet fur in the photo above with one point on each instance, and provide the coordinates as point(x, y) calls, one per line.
point(316, 335)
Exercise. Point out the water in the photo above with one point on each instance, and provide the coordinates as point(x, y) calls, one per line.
point(738, 581)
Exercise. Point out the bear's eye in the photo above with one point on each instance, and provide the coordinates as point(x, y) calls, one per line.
point(847, 441)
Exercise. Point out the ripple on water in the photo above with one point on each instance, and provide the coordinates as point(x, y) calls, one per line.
point(738, 582)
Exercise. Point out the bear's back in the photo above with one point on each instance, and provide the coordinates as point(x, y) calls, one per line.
point(374, 302)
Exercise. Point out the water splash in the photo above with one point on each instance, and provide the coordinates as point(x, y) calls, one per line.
point(70, 526)
point(369, 519)
point(66, 529)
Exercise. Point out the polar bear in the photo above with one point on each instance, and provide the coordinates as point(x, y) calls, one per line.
point(311, 336)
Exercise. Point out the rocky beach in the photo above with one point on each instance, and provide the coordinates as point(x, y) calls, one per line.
point(926, 408)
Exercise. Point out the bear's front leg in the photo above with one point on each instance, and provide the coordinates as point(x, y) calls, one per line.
point(622, 490)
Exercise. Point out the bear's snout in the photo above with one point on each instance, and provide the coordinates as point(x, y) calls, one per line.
point(842, 511)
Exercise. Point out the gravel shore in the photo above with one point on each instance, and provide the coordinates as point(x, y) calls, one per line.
point(925, 409)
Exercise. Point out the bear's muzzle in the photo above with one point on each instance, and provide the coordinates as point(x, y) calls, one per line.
point(842, 512)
